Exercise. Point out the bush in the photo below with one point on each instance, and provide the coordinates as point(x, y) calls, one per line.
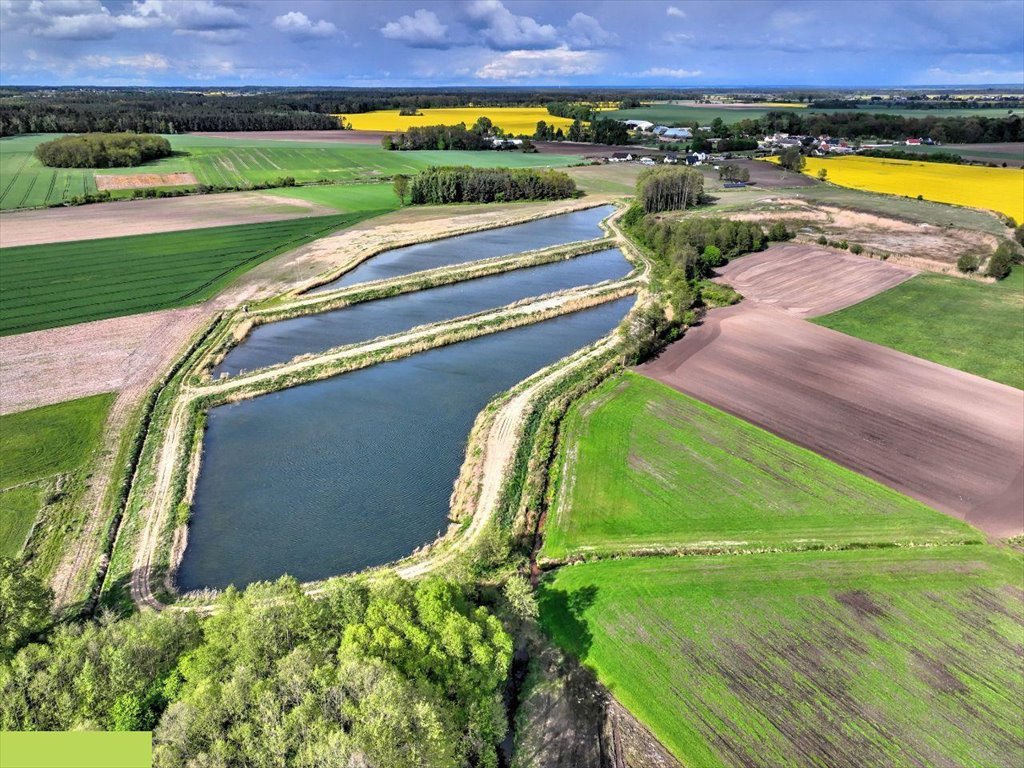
point(1001, 262)
point(779, 233)
point(1018, 234)
point(822, 240)
point(968, 263)
point(857, 248)
point(102, 150)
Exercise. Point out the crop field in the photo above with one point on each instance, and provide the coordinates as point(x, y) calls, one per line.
point(46, 286)
point(672, 114)
point(514, 120)
point(974, 327)
point(1011, 153)
point(643, 467)
point(237, 162)
point(35, 447)
point(844, 659)
point(995, 189)
point(345, 198)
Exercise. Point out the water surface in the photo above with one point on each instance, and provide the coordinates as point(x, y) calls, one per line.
point(281, 341)
point(501, 241)
point(356, 470)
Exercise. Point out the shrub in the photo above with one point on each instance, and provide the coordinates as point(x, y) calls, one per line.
point(968, 263)
point(778, 232)
point(857, 248)
point(1018, 234)
point(1001, 262)
point(822, 240)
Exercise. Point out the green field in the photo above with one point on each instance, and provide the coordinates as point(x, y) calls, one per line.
point(643, 467)
point(35, 447)
point(839, 659)
point(347, 198)
point(974, 327)
point(685, 114)
point(26, 183)
point(45, 286)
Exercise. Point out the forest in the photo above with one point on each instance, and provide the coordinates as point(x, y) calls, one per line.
point(387, 673)
point(463, 184)
point(856, 125)
point(102, 150)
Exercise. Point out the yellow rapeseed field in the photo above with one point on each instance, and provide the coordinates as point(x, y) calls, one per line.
point(996, 189)
point(514, 120)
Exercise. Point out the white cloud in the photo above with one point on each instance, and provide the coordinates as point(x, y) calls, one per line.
point(586, 32)
point(553, 63)
point(298, 26)
point(421, 30)
point(667, 72)
point(678, 13)
point(503, 30)
point(146, 61)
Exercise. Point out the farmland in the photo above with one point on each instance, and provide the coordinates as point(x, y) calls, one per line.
point(996, 189)
point(59, 284)
point(237, 162)
point(645, 467)
point(974, 327)
point(674, 114)
point(35, 447)
point(514, 120)
point(863, 657)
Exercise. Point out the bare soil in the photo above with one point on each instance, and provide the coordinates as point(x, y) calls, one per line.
point(142, 217)
point(808, 280)
point(143, 180)
point(949, 439)
point(770, 176)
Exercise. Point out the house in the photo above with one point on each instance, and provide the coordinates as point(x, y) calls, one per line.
point(913, 142)
point(671, 157)
point(620, 157)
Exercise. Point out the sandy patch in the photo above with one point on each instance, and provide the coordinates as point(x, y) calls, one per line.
point(143, 180)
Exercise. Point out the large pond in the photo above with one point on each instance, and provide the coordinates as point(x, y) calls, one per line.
point(541, 233)
point(279, 342)
point(356, 470)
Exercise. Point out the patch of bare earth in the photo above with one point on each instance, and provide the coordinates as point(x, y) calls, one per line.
point(143, 180)
point(913, 244)
point(143, 217)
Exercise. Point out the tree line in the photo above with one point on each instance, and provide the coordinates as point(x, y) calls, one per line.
point(462, 184)
point(390, 674)
point(857, 125)
point(102, 150)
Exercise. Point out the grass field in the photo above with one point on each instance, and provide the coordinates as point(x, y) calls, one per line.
point(643, 467)
point(45, 286)
point(514, 120)
point(345, 198)
point(995, 189)
point(673, 114)
point(839, 659)
point(35, 447)
point(974, 327)
point(26, 183)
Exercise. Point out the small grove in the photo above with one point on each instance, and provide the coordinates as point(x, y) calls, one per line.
point(464, 184)
point(102, 150)
point(388, 673)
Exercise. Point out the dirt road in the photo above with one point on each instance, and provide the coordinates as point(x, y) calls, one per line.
point(952, 440)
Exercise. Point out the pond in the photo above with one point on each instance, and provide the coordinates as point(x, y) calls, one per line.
point(501, 241)
point(281, 341)
point(357, 470)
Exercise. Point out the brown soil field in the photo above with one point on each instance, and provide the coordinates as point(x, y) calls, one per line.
point(142, 217)
point(912, 243)
point(1011, 152)
point(949, 439)
point(143, 180)
point(808, 280)
point(771, 176)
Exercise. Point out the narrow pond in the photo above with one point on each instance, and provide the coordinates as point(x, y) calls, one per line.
point(356, 470)
point(281, 341)
point(501, 241)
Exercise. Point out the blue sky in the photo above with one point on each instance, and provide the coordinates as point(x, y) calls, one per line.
point(510, 42)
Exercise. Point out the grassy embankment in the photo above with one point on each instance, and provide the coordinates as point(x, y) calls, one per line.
point(642, 467)
point(973, 327)
point(57, 284)
point(865, 655)
point(45, 454)
point(27, 183)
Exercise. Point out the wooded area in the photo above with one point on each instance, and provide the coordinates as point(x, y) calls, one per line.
point(463, 184)
point(102, 150)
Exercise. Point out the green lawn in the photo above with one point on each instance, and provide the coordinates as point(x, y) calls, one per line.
point(840, 659)
point(974, 327)
point(35, 447)
point(643, 467)
point(18, 509)
point(55, 438)
point(27, 183)
point(45, 286)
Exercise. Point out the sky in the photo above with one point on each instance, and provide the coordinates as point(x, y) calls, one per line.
point(376, 43)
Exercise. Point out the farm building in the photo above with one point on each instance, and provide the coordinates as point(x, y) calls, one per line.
point(639, 125)
point(620, 157)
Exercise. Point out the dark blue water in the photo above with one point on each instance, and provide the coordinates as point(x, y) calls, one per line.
point(281, 341)
point(542, 233)
point(356, 470)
